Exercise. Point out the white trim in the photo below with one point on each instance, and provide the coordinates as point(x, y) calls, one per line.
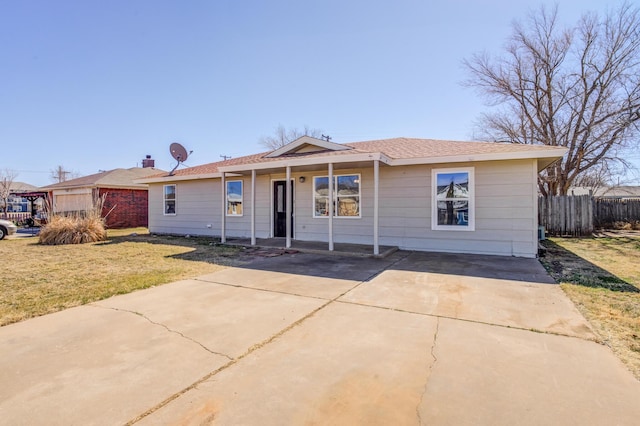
point(376, 220)
point(335, 195)
point(287, 211)
point(307, 140)
point(297, 162)
point(223, 232)
point(471, 214)
point(330, 195)
point(550, 152)
point(164, 199)
point(161, 179)
point(226, 198)
point(253, 207)
point(534, 194)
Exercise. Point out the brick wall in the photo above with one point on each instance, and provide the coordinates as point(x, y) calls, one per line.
point(131, 207)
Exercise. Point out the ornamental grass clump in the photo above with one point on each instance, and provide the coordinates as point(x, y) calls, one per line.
point(76, 228)
point(73, 230)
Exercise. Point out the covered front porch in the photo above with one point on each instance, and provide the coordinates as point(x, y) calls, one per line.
point(317, 247)
point(300, 163)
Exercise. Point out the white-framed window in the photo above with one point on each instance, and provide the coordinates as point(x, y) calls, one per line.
point(234, 198)
point(453, 199)
point(346, 196)
point(169, 196)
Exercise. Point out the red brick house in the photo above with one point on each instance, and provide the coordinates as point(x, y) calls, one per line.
point(126, 202)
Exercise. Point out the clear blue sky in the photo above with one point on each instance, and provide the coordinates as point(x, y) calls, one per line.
point(97, 85)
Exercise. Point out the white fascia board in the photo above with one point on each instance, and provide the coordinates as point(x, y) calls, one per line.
point(556, 152)
point(307, 140)
point(169, 179)
point(298, 162)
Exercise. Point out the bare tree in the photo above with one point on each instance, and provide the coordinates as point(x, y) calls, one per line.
point(6, 181)
point(575, 87)
point(282, 136)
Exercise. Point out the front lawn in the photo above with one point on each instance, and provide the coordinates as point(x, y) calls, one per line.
point(38, 279)
point(602, 278)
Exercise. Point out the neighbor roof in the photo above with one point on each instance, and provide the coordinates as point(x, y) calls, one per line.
point(116, 178)
point(22, 187)
point(607, 191)
point(396, 151)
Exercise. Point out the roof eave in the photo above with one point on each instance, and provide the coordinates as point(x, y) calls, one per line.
point(551, 155)
point(174, 178)
point(298, 162)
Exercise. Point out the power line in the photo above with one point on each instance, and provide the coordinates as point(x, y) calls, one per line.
point(32, 171)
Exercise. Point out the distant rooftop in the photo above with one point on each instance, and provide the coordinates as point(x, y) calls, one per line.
point(116, 178)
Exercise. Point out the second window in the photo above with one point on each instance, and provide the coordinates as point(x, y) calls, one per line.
point(346, 196)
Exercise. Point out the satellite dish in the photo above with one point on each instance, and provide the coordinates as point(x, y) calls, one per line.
point(179, 154)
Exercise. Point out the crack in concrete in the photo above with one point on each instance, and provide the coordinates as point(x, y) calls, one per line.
point(165, 327)
point(431, 365)
point(266, 290)
point(253, 348)
point(512, 327)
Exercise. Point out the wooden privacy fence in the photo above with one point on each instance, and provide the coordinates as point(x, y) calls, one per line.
point(579, 215)
point(610, 212)
point(566, 215)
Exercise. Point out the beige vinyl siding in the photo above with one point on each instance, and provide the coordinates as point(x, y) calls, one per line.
point(505, 209)
point(198, 204)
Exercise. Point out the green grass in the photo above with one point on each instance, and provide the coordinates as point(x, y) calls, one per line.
point(38, 279)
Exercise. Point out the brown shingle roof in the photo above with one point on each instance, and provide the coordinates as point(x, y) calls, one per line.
point(428, 148)
point(396, 148)
point(116, 178)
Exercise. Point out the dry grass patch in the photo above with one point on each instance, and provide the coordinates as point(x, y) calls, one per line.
point(39, 279)
point(602, 276)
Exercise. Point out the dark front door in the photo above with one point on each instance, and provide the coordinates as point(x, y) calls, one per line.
point(280, 208)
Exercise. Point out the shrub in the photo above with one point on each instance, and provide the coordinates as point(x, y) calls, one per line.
point(77, 228)
point(73, 230)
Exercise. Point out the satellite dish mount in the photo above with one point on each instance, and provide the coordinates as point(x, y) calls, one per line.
point(179, 154)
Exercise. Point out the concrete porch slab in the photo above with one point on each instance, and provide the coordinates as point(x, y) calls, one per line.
point(304, 274)
point(316, 247)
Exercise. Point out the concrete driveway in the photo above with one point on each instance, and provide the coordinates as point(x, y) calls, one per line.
point(416, 338)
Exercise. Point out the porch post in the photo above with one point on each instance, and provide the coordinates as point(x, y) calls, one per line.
point(223, 236)
point(253, 207)
point(376, 186)
point(288, 209)
point(330, 206)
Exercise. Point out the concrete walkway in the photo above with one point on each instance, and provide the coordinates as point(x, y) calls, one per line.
point(415, 338)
